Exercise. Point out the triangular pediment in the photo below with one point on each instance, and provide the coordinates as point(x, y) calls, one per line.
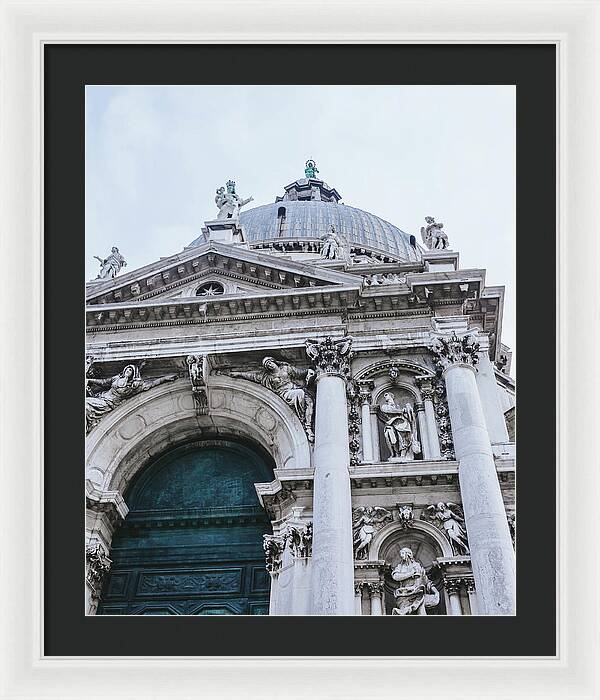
point(230, 269)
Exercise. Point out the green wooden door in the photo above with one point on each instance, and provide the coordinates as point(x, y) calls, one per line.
point(191, 543)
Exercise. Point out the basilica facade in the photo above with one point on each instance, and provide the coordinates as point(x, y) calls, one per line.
point(307, 411)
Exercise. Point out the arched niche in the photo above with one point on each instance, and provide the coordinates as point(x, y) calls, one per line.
point(427, 544)
point(403, 393)
point(147, 425)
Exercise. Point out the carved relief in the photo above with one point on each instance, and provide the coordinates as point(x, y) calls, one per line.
point(292, 384)
point(298, 539)
point(198, 372)
point(366, 521)
point(449, 518)
point(117, 389)
point(353, 394)
point(405, 515)
point(449, 350)
point(98, 566)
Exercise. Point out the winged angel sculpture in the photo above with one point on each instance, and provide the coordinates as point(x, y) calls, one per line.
point(449, 517)
point(366, 520)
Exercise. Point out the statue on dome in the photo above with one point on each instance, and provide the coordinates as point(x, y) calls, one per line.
point(416, 592)
point(111, 265)
point(433, 236)
point(400, 429)
point(332, 245)
point(311, 169)
point(288, 382)
point(118, 388)
point(229, 202)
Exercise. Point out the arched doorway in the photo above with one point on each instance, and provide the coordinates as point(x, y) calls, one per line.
point(191, 543)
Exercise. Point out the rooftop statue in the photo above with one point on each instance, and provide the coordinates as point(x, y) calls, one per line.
point(332, 245)
point(311, 169)
point(433, 236)
point(228, 202)
point(111, 265)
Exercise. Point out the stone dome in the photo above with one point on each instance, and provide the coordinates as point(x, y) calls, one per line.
point(312, 219)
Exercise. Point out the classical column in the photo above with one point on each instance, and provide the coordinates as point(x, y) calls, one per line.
point(426, 389)
point(333, 556)
point(367, 434)
point(358, 597)
point(422, 422)
point(453, 588)
point(375, 435)
point(376, 591)
point(492, 555)
point(488, 391)
point(472, 593)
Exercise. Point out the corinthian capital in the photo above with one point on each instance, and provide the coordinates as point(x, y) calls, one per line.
point(452, 349)
point(330, 356)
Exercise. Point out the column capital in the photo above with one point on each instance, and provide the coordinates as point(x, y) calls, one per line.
point(450, 350)
point(330, 357)
point(452, 585)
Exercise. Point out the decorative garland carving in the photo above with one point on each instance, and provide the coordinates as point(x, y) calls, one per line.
point(442, 417)
point(98, 566)
point(353, 395)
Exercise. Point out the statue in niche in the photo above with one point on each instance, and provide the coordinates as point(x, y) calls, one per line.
point(400, 429)
point(416, 592)
point(433, 236)
point(229, 202)
point(288, 382)
point(118, 388)
point(366, 520)
point(450, 519)
point(111, 265)
point(332, 245)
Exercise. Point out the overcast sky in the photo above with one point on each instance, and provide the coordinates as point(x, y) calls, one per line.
point(156, 154)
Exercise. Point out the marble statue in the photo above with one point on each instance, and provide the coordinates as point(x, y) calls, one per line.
point(111, 265)
point(118, 388)
point(311, 169)
point(450, 519)
point(415, 593)
point(198, 372)
point(228, 202)
point(332, 245)
point(288, 382)
point(400, 429)
point(365, 522)
point(433, 236)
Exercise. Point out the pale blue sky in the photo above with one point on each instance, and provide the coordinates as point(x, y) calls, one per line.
point(156, 154)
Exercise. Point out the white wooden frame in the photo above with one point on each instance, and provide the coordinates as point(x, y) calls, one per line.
point(574, 26)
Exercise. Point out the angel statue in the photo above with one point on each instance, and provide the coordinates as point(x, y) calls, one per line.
point(433, 236)
point(288, 382)
point(332, 245)
point(119, 388)
point(449, 517)
point(400, 429)
point(111, 265)
point(228, 202)
point(365, 522)
point(415, 593)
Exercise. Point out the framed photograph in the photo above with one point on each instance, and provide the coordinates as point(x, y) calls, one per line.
point(269, 294)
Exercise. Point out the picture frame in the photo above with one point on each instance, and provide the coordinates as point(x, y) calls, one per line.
point(26, 28)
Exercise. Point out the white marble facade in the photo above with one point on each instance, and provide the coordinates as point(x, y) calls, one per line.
point(383, 405)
